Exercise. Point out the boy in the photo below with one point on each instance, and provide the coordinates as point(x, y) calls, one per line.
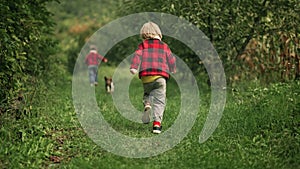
point(92, 61)
point(155, 62)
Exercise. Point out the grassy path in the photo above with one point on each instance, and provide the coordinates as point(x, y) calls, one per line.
point(259, 129)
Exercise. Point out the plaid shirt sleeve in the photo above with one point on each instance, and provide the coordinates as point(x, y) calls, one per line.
point(100, 57)
point(171, 61)
point(135, 62)
point(93, 58)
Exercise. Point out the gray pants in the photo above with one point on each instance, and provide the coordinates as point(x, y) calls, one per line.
point(93, 73)
point(155, 95)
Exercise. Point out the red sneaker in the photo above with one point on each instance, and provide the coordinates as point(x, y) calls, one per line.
point(156, 127)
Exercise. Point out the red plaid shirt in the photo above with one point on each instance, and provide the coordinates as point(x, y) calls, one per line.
point(93, 58)
point(154, 58)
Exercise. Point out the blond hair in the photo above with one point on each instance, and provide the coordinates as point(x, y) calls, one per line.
point(150, 30)
point(93, 47)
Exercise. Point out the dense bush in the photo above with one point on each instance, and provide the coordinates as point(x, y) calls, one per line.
point(255, 39)
point(26, 49)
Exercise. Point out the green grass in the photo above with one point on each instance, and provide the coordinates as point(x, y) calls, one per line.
point(259, 129)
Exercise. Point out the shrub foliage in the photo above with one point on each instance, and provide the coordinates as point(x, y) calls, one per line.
point(26, 47)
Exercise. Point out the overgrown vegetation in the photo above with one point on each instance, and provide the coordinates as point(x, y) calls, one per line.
point(260, 124)
point(259, 129)
point(255, 39)
point(27, 46)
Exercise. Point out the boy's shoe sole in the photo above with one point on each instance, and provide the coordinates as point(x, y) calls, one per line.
point(157, 129)
point(146, 115)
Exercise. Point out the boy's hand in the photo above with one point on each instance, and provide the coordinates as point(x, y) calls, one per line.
point(133, 71)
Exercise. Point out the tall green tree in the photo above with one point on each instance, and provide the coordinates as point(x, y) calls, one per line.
point(233, 25)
